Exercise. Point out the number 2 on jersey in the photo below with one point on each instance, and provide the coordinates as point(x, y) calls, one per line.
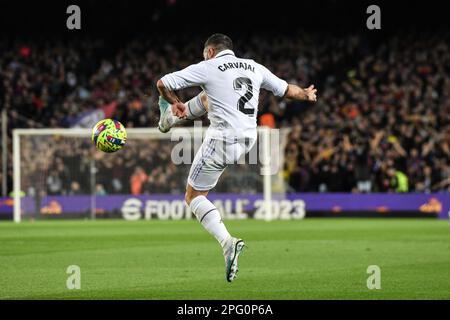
point(237, 84)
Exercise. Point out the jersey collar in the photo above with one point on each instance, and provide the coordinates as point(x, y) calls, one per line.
point(224, 53)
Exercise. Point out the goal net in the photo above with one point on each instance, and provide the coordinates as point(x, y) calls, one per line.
point(58, 173)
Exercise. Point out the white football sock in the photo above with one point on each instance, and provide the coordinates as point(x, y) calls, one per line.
point(210, 218)
point(195, 109)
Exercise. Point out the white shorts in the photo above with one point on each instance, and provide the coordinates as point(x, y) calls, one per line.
point(212, 158)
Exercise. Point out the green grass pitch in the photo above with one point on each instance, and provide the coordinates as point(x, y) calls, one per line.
point(306, 259)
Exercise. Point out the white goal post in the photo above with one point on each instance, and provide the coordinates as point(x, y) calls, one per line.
point(37, 153)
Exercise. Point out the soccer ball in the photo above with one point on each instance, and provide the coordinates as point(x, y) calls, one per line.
point(109, 135)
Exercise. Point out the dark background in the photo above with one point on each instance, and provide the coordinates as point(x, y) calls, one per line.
point(121, 18)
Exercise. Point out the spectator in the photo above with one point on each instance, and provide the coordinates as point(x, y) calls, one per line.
point(137, 180)
point(398, 180)
point(100, 190)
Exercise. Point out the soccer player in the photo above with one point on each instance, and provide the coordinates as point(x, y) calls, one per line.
point(230, 95)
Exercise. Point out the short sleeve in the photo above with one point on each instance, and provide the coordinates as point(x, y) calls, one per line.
point(194, 75)
point(272, 83)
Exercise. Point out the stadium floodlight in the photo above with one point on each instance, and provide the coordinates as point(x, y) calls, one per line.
point(58, 172)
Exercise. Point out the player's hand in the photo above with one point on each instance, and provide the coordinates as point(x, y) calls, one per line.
point(310, 93)
point(179, 110)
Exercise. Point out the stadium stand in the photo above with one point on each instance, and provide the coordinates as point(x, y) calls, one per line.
point(382, 122)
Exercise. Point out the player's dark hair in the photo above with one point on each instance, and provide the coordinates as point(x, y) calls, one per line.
point(220, 42)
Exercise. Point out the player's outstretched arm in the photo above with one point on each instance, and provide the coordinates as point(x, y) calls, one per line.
point(193, 76)
point(178, 107)
point(180, 110)
point(167, 94)
point(295, 92)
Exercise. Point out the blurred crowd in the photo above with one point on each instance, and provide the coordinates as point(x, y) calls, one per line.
point(72, 166)
point(381, 123)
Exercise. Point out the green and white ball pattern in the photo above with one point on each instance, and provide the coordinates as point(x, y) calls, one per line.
point(109, 135)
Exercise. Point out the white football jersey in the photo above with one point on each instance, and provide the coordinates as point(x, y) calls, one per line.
point(232, 85)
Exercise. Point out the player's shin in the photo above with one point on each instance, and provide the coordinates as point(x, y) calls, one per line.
point(210, 218)
point(195, 108)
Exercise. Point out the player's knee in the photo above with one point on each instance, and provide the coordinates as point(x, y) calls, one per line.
point(191, 194)
point(188, 197)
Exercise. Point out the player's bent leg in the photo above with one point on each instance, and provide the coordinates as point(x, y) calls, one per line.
point(191, 193)
point(207, 214)
point(206, 169)
point(195, 109)
point(197, 106)
point(210, 218)
point(166, 118)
